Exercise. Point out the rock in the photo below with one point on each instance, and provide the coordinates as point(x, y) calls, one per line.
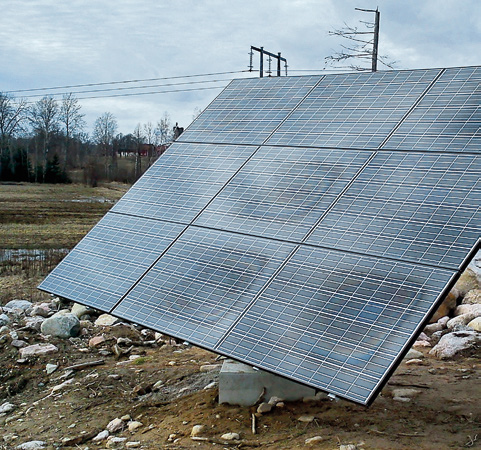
point(135, 425)
point(474, 309)
point(132, 444)
point(79, 310)
point(264, 408)
point(41, 310)
point(96, 341)
point(404, 394)
point(115, 442)
point(6, 407)
point(433, 327)
point(210, 367)
point(313, 440)
point(4, 320)
point(157, 385)
point(414, 362)
point(115, 425)
point(105, 320)
point(463, 319)
point(467, 282)
point(31, 445)
point(51, 368)
point(306, 419)
point(453, 343)
point(13, 305)
point(435, 337)
point(61, 325)
point(448, 304)
point(473, 297)
point(210, 385)
point(18, 343)
point(275, 400)
point(414, 354)
point(34, 323)
point(230, 437)
point(348, 447)
point(475, 324)
point(197, 430)
point(37, 349)
point(101, 436)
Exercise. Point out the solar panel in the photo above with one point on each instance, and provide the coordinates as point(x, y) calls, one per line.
point(107, 262)
point(307, 226)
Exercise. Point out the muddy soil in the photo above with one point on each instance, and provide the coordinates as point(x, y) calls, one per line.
point(444, 413)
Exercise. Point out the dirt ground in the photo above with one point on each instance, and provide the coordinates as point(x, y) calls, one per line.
point(446, 413)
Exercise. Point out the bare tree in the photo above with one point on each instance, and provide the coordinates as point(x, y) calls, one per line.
point(363, 45)
point(151, 140)
point(72, 120)
point(44, 119)
point(105, 128)
point(139, 140)
point(12, 115)
point(163, 129)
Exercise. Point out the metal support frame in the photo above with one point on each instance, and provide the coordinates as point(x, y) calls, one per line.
point(262, 53)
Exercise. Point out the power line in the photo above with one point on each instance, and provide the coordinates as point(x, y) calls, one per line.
point(132, 87)
point(123, 82)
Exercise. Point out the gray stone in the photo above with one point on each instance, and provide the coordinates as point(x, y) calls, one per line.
point(34, 323)
point(230, 436)
point(41, 310)
point(433, 327)
point(61, 325)
point(115, 425)
point(115, 442)
point(453, 343)
point(348, 447)
point(264, 408)
point(405, 393)
point(313, 440)
point(31, 445)
point(414, 354)
point(79, 310)
point(4, 320)
point(6, 407)
point(51, 368)
point(197, 430)
point(306, 419)
point(106, 320)
point(474, 309)
point(101, 436)
point(18, 343)
point(13, 305)
point(448, 304)
point(37, 349)
point(134, 425)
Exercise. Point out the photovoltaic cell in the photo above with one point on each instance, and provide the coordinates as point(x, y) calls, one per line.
point(283, 191)
point(353, 110)
point(202, 283)
point(418, 207)
point(249, 110)
point(183, 181)
point(334, 320)
point(107, 262)
point(448, 118)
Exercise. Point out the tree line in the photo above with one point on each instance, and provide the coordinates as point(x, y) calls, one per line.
point(46, 142)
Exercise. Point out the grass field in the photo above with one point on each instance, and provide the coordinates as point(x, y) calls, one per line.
point(44, 216)
point(48, 217)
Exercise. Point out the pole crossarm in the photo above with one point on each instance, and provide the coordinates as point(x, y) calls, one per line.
point(263, 52)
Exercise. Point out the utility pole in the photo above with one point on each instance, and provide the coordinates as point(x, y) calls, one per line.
point(262, 53)
point(375, 42)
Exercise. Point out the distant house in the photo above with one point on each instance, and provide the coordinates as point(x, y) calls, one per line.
point(145, 150)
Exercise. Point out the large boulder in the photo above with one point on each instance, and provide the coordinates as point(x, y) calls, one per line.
point(13, 305)
point(467, 282)
point(62, 325)
point(447, 306)
point(473, 297)
point(455, 343)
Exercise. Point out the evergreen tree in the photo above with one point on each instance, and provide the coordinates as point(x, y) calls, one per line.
point(54, 173)
point(21, 166)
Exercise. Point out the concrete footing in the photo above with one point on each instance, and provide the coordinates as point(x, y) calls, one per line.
point(240, 384)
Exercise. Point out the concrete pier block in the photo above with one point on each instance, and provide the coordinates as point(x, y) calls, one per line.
point(240, 384)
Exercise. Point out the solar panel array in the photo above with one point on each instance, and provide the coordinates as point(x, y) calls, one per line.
point(307, 226)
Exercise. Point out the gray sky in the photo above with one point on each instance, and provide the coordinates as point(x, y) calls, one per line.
point(47, 43)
